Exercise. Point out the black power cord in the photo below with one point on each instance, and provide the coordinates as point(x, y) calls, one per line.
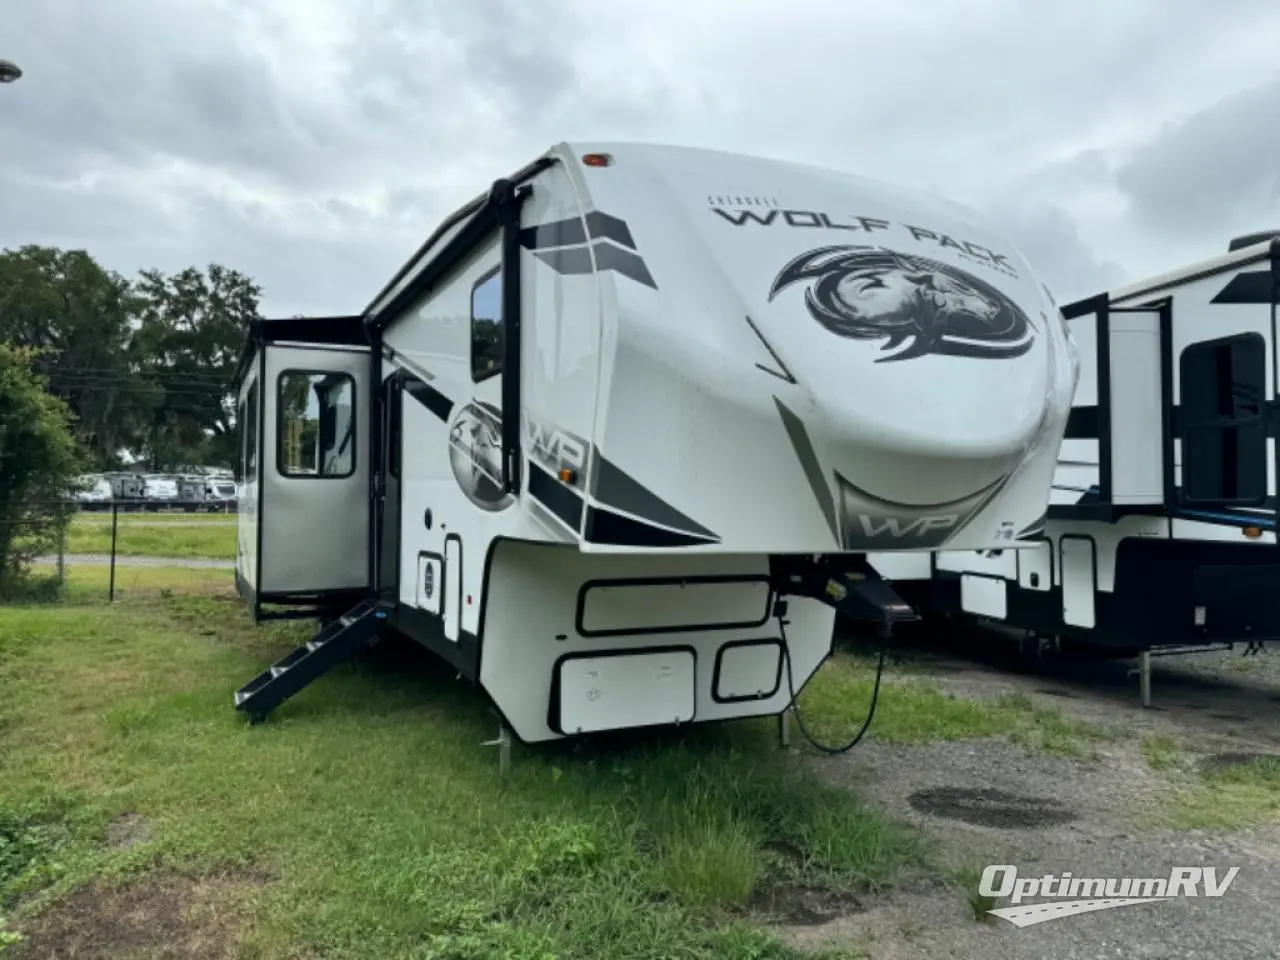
point(780, 611)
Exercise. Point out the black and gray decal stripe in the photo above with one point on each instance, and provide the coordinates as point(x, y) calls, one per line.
point(1252, 286)
point(615, 488)
point(570, 232)
point(561, 500)
point(566, 246)
point(603, 525)
point(812, 469)
point(428, 396)
point(575, 261)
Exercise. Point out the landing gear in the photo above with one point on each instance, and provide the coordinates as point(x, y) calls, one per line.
point(503, 743)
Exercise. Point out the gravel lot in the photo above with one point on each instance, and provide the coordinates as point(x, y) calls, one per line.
point(988, 802)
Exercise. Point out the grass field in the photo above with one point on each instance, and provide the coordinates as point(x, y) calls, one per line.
point(366, 820)
point(142, 516)
point(1244, 794)
point(155, 535)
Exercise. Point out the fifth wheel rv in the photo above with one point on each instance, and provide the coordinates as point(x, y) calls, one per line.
point(1162, 527)
point(615, 441)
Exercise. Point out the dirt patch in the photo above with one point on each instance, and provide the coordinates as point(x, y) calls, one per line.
point(990, 808)
point(164, 916)
point(1055, 692)
point(801, 906)
point(128, 830)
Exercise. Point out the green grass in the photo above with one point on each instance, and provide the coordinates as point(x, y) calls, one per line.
point(381, 821)
point(1236, 796)
point(966, 881)
point(1239, 796)
point(142, 516)
point(1161, 752)
point(917, 710)
point(142, 535)
point(88, 584)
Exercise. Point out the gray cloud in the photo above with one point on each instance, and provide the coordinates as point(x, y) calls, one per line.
point(314, 145)
point(1214, 172)
point(1052, 244)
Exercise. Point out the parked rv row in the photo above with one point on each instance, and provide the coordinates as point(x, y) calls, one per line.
point(213, 491)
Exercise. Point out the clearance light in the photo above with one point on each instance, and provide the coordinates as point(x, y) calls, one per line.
point(597, 159)
point(1253, 533)
point(567, 475)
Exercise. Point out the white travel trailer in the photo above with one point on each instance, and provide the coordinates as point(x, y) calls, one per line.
point(619, 407)
point(1162, 526)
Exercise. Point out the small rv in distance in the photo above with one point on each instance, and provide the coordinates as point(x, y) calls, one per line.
point(1162, 527)
point(616, 440)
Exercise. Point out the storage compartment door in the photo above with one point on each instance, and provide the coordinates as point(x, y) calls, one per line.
point(1079, 581)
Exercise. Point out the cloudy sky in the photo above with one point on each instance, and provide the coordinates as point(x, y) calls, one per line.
point(314, 143)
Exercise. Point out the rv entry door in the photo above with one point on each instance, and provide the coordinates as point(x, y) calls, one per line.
point(315, 474)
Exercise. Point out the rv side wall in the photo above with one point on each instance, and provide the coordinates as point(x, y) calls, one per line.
point(452, 504)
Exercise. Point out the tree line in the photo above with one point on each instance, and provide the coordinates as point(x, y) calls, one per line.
point(95, 367)
point(143, 364)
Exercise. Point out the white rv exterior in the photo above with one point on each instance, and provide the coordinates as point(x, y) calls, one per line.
point(1162, 525)
point(614, 409)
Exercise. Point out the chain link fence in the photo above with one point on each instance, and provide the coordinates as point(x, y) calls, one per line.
point(109, 549)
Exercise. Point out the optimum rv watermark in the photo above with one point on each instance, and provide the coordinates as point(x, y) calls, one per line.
point(1075, 895)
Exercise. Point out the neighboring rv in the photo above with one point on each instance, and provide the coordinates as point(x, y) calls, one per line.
point(128, 489)
point(615, 441)
point(92, 492)
point(220, 494)
point(1162, 528)
point(160, 493)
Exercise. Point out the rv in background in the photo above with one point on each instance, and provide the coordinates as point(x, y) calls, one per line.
point(92, 493)
point(210, 489)
point(1162, 527)
point(615, 442)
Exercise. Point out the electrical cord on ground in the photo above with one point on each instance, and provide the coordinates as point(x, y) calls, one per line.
point(780, 611)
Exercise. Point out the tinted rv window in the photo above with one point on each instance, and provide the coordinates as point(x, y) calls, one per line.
point(486, 326)
point(250, 433)
point(317, 424)
point(1223, 418)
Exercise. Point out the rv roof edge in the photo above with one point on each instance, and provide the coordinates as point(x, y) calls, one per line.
point(336, 329)
point(386, 297)
point(1263, 250)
